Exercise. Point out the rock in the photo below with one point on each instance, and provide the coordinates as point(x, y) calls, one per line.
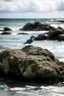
point(36, 26)
point(61, 37)
point(54, 34)
point(22, 34)
point(62, 21)
point(7, 29)
point(5, 33)
point(60, 28)
point(1, 30)
point(61, 72)
point(27, 27)
point(30, 63)
point(41, 37)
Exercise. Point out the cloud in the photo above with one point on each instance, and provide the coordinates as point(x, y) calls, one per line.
point(31, 5)
point(7, 0)
point(61, 7)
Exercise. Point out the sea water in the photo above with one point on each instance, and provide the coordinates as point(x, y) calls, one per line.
point(15, 41)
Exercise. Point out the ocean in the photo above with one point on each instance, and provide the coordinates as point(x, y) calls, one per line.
point(15, 41)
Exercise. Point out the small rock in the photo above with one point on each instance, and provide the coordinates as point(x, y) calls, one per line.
point(5, 33)
point(7, 29)
point(22, 34)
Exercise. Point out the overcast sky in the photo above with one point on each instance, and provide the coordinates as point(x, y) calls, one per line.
point(31, 8)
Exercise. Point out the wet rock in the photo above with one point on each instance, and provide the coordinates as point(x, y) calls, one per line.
point(5, 33)
point(36, 26)
point(54, 34)
point(61, 37)
point(28, 27)
point(41, 37)
point(61, 72)
point(7, 29)
point(62, 21)
point(60, 28)
point(22, 34)
point(30, 63)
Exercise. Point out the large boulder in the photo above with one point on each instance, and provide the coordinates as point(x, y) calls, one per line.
point(28, 26)
point(54, 34)
point(36, 26)
point(32, 63)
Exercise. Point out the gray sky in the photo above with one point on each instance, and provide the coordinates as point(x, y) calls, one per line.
point(31, 8)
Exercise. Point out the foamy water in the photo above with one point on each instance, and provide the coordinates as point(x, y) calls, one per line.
point(28, 90)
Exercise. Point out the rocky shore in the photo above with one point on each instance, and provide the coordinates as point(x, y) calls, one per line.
point(31, 63)
point(52, 34)
point(36, 26)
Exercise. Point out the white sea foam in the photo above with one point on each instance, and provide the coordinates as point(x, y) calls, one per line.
point(54, 25)
point(58, 25)
point(41, 90)
point(1, 29)
point(17, 89)
point(15, 28)
point(0, 32)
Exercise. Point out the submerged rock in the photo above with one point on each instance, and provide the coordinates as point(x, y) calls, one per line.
point(30, 63)
point(22, 34)
point(36, 26)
